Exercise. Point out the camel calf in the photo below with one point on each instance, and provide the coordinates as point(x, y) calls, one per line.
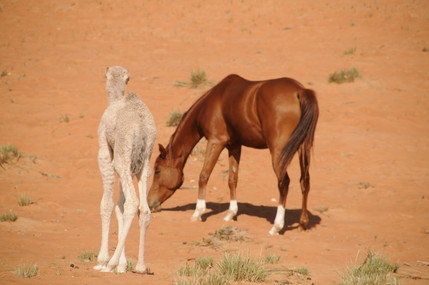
point(126, 137)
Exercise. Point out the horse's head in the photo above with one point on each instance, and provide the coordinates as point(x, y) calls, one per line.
point(166, 180)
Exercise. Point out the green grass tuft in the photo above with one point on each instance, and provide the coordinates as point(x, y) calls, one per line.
point(350, 51)
point(27, 270)
point(198, 78)
point(374, 270)
point(204, 263)
point(236, 267)
point(344, 76)
point(218, 237)
point(24, 200)
point(229, 234)
point(9, 153)
point(87, 256)
point(10, 217)
point(272, 258)
point(65, 118)
point(130, 265)
point(174, 120)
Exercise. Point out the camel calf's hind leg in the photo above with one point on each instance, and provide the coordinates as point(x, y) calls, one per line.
point(106, 206)
point(119, 210)
point(144, 215)
point(130, 209)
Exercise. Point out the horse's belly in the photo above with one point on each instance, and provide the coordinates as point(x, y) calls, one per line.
point(251, 138)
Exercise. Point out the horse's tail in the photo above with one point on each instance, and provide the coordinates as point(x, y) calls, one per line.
point(303, 135)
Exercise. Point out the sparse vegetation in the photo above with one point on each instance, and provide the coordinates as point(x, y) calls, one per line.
point(321, 209)
point(217, 238)
point(229, 234)
point(374, 270)
point(197, 79)
point(175, 117)
point(232, 268)
point(365, 185)
point(272, 258)
point(350, 51)
point(24, 200)
point(236, 267)
point(64, 119)
point(344, 76)
point(425, 49)
point(130, 265)
point(4, 73)
point(9, 217)
point(87, 256)
point(27, 270)
point(8, 153)
point(50, 175)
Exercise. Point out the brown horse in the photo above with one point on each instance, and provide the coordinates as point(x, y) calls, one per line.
point(279, 114)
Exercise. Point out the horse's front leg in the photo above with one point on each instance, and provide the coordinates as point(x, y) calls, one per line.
point(234, 154)
point(214, 148)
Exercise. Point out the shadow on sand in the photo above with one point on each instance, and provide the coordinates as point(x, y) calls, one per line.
point(265, 212)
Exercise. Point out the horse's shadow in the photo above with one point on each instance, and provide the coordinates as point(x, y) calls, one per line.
point(266, 212)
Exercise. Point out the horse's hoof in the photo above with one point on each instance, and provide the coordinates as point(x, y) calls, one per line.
point(273, 231)
point(196, 219)
point(229, 216)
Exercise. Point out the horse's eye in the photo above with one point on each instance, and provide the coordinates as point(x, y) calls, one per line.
point(157, 171)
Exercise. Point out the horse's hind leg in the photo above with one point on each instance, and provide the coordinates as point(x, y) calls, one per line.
point(279, 221)
point(234, 160)
point(214, 148)
point(304, 163)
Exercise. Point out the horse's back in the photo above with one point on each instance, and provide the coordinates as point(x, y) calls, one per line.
point(256, 112)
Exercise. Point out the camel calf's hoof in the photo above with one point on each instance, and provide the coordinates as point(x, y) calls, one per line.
point(141, 269)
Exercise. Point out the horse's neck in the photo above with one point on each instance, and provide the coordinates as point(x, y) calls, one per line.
point(183, 140)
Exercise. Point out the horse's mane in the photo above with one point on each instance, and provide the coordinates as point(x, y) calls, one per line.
point(185, 117)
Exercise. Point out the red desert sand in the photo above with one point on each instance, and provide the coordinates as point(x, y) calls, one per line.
point(369, 171)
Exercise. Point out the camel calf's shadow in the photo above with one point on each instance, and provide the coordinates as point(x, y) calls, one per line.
point(267, 212)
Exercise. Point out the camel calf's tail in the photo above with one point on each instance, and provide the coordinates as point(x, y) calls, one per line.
point(303, 135)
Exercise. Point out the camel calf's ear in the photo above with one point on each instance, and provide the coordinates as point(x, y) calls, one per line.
point(162, 151)
point(126, 78)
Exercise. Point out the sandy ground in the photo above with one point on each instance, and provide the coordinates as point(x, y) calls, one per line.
point(370, 171)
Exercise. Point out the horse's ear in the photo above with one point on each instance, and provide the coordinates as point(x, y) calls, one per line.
point(162, 151)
